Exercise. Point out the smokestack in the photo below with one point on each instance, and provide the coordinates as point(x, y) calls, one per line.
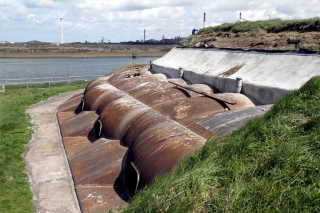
point(204, 20)
point(144, 36)
point(240, 16)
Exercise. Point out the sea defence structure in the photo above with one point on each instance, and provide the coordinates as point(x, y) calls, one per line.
point(127, 128)
point(266, 77)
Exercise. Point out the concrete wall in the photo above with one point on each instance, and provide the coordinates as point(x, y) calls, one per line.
point(266, 76)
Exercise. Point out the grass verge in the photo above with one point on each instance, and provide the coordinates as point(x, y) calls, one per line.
point(15, 132)
point(271, 164)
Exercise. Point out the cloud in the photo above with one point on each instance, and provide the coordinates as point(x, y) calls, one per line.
point(120, 20)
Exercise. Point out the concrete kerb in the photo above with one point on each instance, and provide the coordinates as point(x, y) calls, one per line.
point(46, 162)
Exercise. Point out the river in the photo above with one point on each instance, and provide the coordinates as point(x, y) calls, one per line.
point(21, 68)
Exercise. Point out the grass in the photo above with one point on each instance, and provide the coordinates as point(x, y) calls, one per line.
point(15, 132)
point(272, 26)
point(271, 164)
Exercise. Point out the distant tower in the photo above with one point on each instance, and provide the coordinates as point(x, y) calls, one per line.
point(144, 35)
point(204, 20)
point(163, 39)
point(240, 16)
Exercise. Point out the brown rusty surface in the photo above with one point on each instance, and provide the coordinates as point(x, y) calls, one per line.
point(63, 116)
point(71, 105)
point(144, 121)
point(79, 125)
point(153, 157)
point(156, 134)
point(98, 164)
point(118, 116)
point(101, 198)
point(95, 82)
point(101, 95)
point(165, 95)
point(187, 111)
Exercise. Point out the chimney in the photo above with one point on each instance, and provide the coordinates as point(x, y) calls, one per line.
point(144, 35)
point(204, 20)
point(240, 15)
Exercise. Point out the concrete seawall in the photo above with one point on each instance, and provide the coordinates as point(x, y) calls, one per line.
point(266, 76)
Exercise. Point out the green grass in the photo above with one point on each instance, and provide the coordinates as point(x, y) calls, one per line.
point(273, 25)
point(271, 164)
point(15, 132)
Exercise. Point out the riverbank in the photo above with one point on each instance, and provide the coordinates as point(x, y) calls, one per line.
point(77, 55)
point(81, 50)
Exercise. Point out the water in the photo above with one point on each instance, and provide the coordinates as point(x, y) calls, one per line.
point(21, 68)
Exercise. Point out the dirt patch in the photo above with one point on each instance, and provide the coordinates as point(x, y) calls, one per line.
point(231, 71)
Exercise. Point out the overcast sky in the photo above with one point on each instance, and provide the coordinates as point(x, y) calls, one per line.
point(125, 20)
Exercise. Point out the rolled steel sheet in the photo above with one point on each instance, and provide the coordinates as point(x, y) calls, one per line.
point(72, 105)
point(101, 198)
point(99, 164)
point(147, 88)
point(190, 110)
point(163, 96)
point(144, 121)
point(158, 155)
point(126, 84)
point(155, 134)
point(201, 88)
point(99, 96)
point(96, 81)
point(117, 116)
point(79, 125)
point(241, 100)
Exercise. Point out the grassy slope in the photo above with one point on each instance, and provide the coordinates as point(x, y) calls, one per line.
point(272, 26)
point(272, 164)
point(15, 132)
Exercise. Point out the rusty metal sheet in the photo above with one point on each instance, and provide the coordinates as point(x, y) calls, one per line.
point(74, 145)
point(118, 116)
point(63, 116)
point(224, 123)
point(155, 134)
point(101, 198)
point(72, 104)
point(99, 164)
point(163, 96)
point(144, 121)
point(201, 88)
point(79, 125)
point(241, 100)
point(100, 96)
point(161, 157)
point(187, 111)
point(95, 82)
point(147, 87)
point(126, 84)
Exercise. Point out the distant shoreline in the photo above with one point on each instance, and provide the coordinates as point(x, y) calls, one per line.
point(77, 55)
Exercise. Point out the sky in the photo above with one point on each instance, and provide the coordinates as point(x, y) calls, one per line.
point(124, 20)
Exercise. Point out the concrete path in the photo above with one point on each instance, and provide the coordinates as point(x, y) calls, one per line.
point(49, 174)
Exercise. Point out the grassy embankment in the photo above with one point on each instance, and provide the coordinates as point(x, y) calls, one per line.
point(15, 132)
point(272, 164)
point(271, 26)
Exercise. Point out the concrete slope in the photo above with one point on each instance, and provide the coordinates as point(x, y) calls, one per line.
point(266, 76)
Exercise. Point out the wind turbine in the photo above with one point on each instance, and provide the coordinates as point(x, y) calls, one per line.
point(4, 16)
point(61, 24)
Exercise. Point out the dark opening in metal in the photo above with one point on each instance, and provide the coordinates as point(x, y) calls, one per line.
point(80, 107)
point(131, 179)
point(97, 127)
